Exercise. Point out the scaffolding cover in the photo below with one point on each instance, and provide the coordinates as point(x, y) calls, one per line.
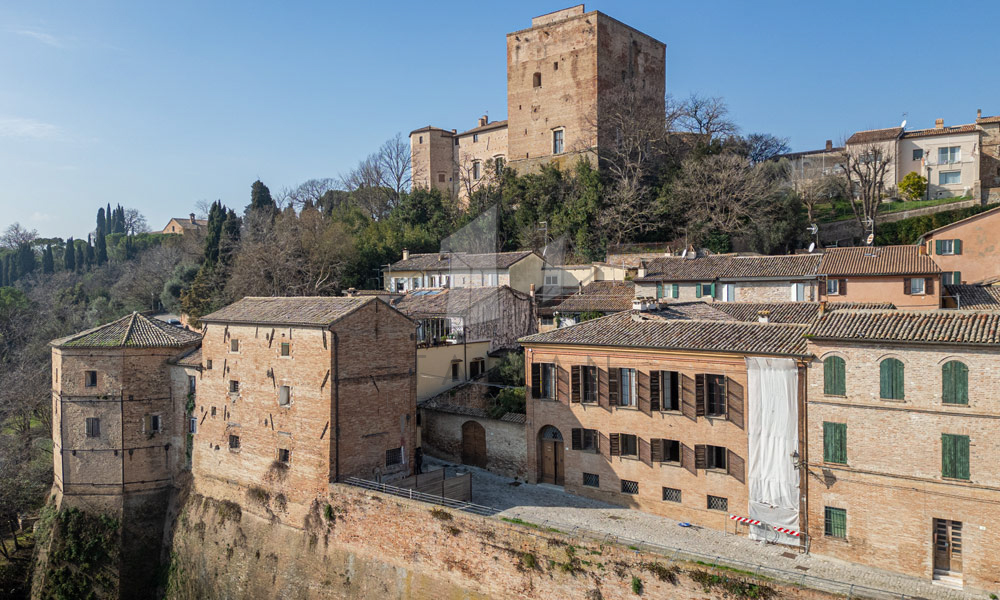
point(772, 431)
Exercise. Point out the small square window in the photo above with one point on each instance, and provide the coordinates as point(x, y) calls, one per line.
point(718, 503)
point(630, 487)
point(93, 425)
point(208, 365)
point(592, 480)
point(629, 445)
point(234, 442)
point(283, 455)
point(671, 495)
point(213, 411)
point(833, 287)
point(284, 395)
point(918, 153)
point(393, 456)
point(152, 423)
point(715, 458)
point(440, 177)
point(286, 349)
point(90, 378)
point(834, 522)
point(917, 285)
point(234, 345)
point(234, 386)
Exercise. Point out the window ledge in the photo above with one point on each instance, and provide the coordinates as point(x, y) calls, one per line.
point(896, 400)
point(835, 538)
point(844, 396)
point(670, 412)
point(834, 464)
point(718, 471)
point(620, 407)
point(956, 479)
point(671, 463)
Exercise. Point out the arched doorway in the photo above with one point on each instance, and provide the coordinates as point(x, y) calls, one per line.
point(473, 444)
point(550, 455)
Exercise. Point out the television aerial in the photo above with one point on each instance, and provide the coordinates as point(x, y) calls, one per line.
point(813, 228)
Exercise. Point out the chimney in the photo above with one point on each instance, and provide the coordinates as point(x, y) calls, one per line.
point(822, 308)
point(979, 113)
point(829, 145)
point(938, 123)
point(483, 120)
point(641, 271)
point(192, 217)
point(763, 316)
point(406, 254)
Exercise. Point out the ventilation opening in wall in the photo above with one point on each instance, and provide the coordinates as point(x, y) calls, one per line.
point(536, 80)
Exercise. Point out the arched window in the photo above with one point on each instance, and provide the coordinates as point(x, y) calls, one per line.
point(834, 376)
point(954, 383)
point(536, 80)
point(891, 379)
point(550, 433)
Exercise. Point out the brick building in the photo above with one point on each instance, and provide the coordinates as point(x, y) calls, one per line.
point(904, 276)
point(660, 410)
point(598, 298)
point(967, 251)
point(298, 392)
point(564, 74)
point(902, 447)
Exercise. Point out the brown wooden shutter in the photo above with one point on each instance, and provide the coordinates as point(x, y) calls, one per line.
point(603, 445)
point(536, 380)
point(644, 400)
point(577, 436)
point(656, 450)
point(576, 383)
point(735, 466)
point(842, 288)
point(906, 286)
point(614, 387)
point(699, 394)
point(563, 385)
point(602, 388)
point(929, 285)
point(689, 404)
point(654, 391)
point(644, 450)
point(700, 456)
point(688, 460)
point(734, 402)
point(616, 446)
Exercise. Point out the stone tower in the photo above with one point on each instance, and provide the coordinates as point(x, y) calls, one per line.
point(433, 159)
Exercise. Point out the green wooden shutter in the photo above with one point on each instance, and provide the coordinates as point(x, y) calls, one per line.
point(954, 456)
point(675, 290)
point(948, 383)
point(957, 246)
point(697, 290)
point(659, 291)
point(884, 380)
point(835, 443)
point(955, 383)
point(938, 247)
point(713, 290)
point(897, 380)
point(956, 278)
point(834, 377)
point(891, 379)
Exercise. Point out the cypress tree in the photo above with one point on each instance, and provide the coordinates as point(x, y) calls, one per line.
point(48, 262)
point(230, 236)
point(89, 258)
point(102, 222)
point(107, 216)
point(3, 272)
point(102, 249)
point(25, 259)
point(11, 268)
point(216, 216)
point(81, 258)
point(260, 198)
point(120, 228)
point(69, 255)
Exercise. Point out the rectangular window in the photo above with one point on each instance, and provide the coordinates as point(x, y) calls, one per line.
point(668, 390)
point(949, 155)
point(729, 292)
point(591, 480)
point(440, 177)
point(152, 423)
point(208, 365)
point(557, 141)
point(671, 495)
point(949, 177)
point(588, 384)
point(715, 458)
point(284, 395)
point(630, 487)
point(192, 384)
point(286, 349)
point(284, 455)
point(543, 380)
point(477, 170)
point(834, 522)
point(548, 320)
point(715, 395)
point(475, 137)
point(234, 386)
point(193, 425)
point(629, 444)
point(213, 411)
point(951, 278)
point(234, 345)
point(551, 280)
point(234, 442)
point(954, 456)
point(393, 456)
point(833, 287)
point(93, 425)
point(90, 378)
point(668, 451)
point(704, 289)
point(799, 292)
point(585, 439)
point(629, 387)
point(918, 153)
point(835, 443)
point(454, 371)
point(945, 247)
point(917, 285)
point(718, 503)
point(477, 367)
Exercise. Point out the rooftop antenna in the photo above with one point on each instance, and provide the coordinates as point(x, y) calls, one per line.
point(812, 246)
point(903, 124)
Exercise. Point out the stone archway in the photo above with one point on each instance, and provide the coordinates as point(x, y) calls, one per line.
point(550, 456)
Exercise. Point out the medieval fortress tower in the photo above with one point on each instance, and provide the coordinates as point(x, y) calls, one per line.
point(565, 75)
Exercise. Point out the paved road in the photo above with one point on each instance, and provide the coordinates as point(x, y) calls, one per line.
point(549, 504)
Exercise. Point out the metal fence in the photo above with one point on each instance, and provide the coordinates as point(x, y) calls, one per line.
point(671, 553)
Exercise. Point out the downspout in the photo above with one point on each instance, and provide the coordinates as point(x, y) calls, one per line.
point(336, 404)
point(803, 456)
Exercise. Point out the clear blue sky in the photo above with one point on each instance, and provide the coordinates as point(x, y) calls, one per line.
point(157, 105)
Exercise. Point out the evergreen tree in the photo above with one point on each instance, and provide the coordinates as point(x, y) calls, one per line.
point(260, 198)
point(3, 272)
point(216, 216)
point(81, 258)
point(102, 249)
point(107, 216)
point(102, 223)
point(230, 237)
point(69, 255)
point(48, 263)
point(11, 268)
point(89, 257)
point(25, 259)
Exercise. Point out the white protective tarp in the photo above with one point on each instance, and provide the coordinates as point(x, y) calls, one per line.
point(772, 429)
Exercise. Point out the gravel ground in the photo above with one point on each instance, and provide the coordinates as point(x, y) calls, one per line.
point(550, 506)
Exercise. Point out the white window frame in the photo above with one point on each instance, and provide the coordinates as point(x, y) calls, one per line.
point(949, 155)
point(796, 286)
point(832, 287)
point(477, 170)
point(558, 141)
point(941, 177)
point(918, 286)
point(947, 247)
point(193, 425)
point(729, 292)
point(628, 395)
point(284, 392)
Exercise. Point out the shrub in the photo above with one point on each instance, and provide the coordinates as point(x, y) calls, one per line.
point(258, 495)
point(913, 186)
point(636, 585)
point(662, 572)
point(441, 515)
point(735, 587)
point(528, 560)
point(328, 512)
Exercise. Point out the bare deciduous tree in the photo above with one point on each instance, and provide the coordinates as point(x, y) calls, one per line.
point(865, 169)
point(142, 280)
point(135, 222)
point(381, 178)
point(16, 236)
point(823, 189)
point(723, 192)
point(707, 117)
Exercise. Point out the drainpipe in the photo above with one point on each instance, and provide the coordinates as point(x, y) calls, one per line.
point(336, 404)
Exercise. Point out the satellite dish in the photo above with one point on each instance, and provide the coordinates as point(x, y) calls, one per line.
point(870, 239)
point(812, 246)
point(903, 124)
point(685, 253)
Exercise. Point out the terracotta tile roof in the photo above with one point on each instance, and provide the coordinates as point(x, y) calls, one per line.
point(930, 234)
point(186, 223)
point(875, 135)
point(645, 330)
point(131, 331)
point(709, 268)
point(975, 297)
point(432, 128)
point(943, 131)
point(189, 358)
point(877, 260)
point(631, 260)
point(444, 261)
point(453, 301)
point(290, 310)
point(790, 312)
point(602, 296)
point(926, 327)
point(994, 119)
point(487, 127)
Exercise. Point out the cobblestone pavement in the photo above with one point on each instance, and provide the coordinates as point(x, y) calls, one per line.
point(552, 507)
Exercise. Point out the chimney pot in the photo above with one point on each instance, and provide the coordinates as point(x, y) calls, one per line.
point(192, 217)
point(979, 113)
point(938, 123)
point(763, 316)
point(822, 308)
point(406, 254)
point(829, 144)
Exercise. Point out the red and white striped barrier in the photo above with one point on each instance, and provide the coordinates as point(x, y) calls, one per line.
point(788, 531)
point(745, 520)
point(750, 521)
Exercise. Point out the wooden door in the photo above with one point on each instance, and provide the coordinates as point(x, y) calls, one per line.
point(473, 444)
point(947, 545)
point(559, 471)
point(548, 461)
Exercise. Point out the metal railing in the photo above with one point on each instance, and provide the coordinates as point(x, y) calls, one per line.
point(671, 553)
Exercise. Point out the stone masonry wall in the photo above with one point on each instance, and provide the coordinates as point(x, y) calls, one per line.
point(379, 546)
point(505, 443)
